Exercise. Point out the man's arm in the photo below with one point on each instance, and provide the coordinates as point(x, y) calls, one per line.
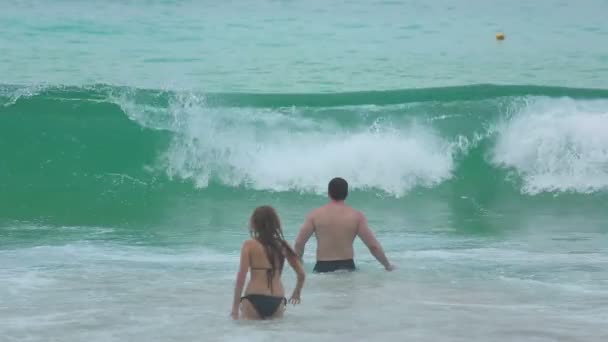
point(305, 232)
point(366, 234)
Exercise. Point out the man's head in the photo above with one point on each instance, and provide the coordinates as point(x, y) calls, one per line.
point(337, 189)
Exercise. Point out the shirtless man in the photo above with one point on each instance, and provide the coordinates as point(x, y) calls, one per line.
point(336, 225)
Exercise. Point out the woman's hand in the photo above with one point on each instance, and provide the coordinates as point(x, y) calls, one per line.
point(295, 298)
point(234, 314)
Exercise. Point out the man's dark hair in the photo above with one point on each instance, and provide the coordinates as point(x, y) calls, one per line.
point(338, 189)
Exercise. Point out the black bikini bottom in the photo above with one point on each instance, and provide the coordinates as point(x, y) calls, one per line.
point(266, 306)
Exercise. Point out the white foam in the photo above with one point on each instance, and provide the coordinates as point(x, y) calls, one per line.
point(556, 145)
point(508, 256)
point(101, 292)
point(280, 150)
point(13, 95)
point(94, 253)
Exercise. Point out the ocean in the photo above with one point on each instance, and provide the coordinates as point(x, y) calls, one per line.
point(138, 136)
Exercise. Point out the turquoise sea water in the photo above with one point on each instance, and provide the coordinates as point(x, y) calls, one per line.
point(137, 137)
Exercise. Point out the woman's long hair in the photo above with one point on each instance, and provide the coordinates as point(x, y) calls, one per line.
point(267, 230)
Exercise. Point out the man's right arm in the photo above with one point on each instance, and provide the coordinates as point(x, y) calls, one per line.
point(305, 232)
point(366, 234)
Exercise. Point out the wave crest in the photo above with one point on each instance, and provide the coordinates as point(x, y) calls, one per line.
point(557, 146)
point(277, 151)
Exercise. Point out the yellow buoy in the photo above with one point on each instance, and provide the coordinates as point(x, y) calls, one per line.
point(500, 36)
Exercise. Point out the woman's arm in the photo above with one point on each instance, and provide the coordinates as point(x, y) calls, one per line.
point(240, 279)
point(296, 264)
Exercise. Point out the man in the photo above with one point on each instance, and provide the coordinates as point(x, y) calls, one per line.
point(336, 225)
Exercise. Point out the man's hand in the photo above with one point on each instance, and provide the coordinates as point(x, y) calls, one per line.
point(390, 268)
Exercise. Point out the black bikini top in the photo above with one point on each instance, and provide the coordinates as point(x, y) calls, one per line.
point(269, 271)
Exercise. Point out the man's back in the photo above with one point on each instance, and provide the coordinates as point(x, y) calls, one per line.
point(336, 225)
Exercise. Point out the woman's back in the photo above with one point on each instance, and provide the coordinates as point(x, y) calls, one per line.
point(263, 257)
point(263, 279)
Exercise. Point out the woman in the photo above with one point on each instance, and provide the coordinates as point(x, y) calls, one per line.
point(265, 256)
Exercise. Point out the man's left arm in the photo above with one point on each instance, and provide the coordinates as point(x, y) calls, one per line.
point(305, 232)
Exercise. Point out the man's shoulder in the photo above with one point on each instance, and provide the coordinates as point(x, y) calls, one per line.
point(359, 213)
point(316, 211)
point(328, 209)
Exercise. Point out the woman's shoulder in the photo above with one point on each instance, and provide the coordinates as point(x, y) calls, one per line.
point(251, 243)
point(250, 246)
